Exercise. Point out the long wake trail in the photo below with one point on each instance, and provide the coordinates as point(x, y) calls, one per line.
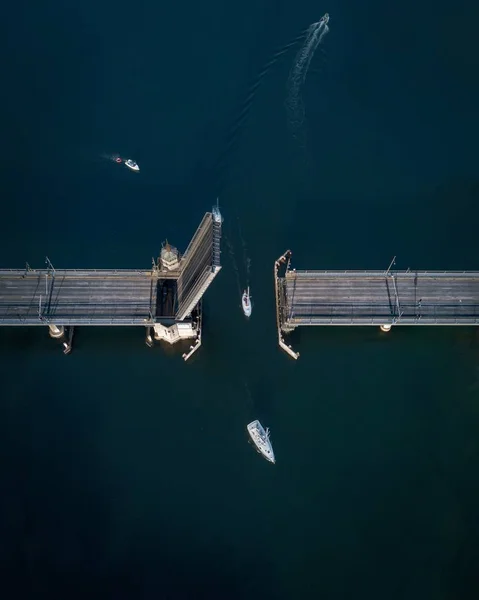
point(232, 256)
point(246, 258)
point(297, 76)
point(245, 109)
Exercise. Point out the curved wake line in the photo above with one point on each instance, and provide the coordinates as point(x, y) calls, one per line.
point(232, 256)
point(241, 268)
point(245, 108)
point(246, 258)
point(297, 76)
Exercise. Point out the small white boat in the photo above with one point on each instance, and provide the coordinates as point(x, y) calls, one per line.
point(261, 440)
point(246, 303)
point(131, 164)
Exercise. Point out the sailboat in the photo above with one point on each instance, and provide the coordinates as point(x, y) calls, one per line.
point(261, 440)
point(246, 303)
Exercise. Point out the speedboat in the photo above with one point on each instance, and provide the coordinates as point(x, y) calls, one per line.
point(246, 303)
point(131, 164)
point(261, 440)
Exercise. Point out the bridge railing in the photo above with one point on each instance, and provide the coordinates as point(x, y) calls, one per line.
point(311, 313)
point(78, 321)
point(79, 272)
point(27, 312)
point(410, 273)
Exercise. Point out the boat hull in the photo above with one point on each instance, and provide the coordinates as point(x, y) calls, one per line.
point(261, 440)
point(132, 165)
point(246, 303)
point(246, 308)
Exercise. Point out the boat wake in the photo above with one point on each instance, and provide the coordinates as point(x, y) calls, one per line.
point(232, 256)
point(246, 258)
point(241, 267)
point(249, 395)
point(239, 122)
point(297, 76)
point(113, 157)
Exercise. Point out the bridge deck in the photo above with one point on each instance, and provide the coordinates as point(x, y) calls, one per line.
point(199, 265)
point(114, 297)
point(372, 298)
point(108, 297)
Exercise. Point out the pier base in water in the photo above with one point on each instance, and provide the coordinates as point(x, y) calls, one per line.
point(149, 338)
point(287, 348)
point(174, 333)
point(68, 345)
point(55, 331)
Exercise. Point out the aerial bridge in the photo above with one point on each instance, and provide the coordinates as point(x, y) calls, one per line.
point(165, 299)
point(382, 298)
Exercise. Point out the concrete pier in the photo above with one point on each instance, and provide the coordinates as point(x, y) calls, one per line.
point(68, 345)
point(55, 331)
point(198, 320)
point(149, 337)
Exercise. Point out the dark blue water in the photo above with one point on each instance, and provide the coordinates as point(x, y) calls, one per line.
point(126, 473)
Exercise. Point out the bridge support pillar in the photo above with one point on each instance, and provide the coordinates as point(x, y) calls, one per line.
point(67, 346)
point(149, 337)
point(167, 334)
point(385, 328)
point(174, 333)
point(56, 331)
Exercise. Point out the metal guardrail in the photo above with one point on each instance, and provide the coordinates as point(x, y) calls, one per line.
point(77, 313)
point(61, 272)
point(74, 321)
point(379, 313)
point(405, 306)
point(216, 244)
point(379, 274)
point(205, 222)
point(378, 321)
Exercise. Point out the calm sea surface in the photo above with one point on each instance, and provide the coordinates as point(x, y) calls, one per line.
point(127, 473)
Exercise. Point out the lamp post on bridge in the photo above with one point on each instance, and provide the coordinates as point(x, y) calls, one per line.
point(391, 264)
point(387, 327)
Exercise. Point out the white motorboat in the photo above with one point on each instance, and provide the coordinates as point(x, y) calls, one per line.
point(246, 303)
point(261, 440)
point(131, 164)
